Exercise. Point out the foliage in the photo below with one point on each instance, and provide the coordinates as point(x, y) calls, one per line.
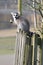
point(36, 5)
point(7, 45)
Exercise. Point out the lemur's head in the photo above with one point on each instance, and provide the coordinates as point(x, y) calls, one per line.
point(15, 17)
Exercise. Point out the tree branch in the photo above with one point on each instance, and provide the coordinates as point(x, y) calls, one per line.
point(38, 3)
point(41, 13)
point(39, 7)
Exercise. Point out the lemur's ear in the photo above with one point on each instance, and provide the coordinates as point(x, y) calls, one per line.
point(12, 13)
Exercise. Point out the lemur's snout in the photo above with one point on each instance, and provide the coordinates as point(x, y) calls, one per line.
point(11, 21)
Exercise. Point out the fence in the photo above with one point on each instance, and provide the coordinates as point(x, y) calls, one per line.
point(28, 49)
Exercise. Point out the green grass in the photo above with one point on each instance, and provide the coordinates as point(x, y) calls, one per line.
point(6, 51)
point(7, 45)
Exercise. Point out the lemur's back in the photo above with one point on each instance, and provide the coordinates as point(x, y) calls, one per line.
point(23, 24)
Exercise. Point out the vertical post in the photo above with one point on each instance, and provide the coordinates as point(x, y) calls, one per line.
point(41, 17)
point(42, 35)
point(34, 10)
point(28, 52)
point(23, 55)
point(33, 44)
point(20, 7)
point(38, 42)
point(20, 46)
point(36, 57)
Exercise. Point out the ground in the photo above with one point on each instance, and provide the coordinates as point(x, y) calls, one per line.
point(8, 32)
point(7, 46)
point(7, 41)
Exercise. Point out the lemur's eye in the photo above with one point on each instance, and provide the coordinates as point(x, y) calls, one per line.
point(17, 17)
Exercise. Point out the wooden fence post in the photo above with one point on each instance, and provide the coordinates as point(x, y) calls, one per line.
point(36, 57)
point(42, 35)
point(28, 52)
point(33, 52)
point(23, 54)
point(38, 41)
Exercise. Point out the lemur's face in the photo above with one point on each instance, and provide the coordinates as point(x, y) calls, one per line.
point(15, 17)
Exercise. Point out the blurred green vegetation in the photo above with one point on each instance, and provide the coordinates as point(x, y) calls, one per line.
point(7, 45)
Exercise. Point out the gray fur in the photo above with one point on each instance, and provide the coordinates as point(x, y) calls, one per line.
point(21, 22)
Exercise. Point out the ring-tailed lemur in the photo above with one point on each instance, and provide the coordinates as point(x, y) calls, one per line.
point(22, 24)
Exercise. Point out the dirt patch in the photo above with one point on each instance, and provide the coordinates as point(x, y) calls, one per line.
point(9, 32)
